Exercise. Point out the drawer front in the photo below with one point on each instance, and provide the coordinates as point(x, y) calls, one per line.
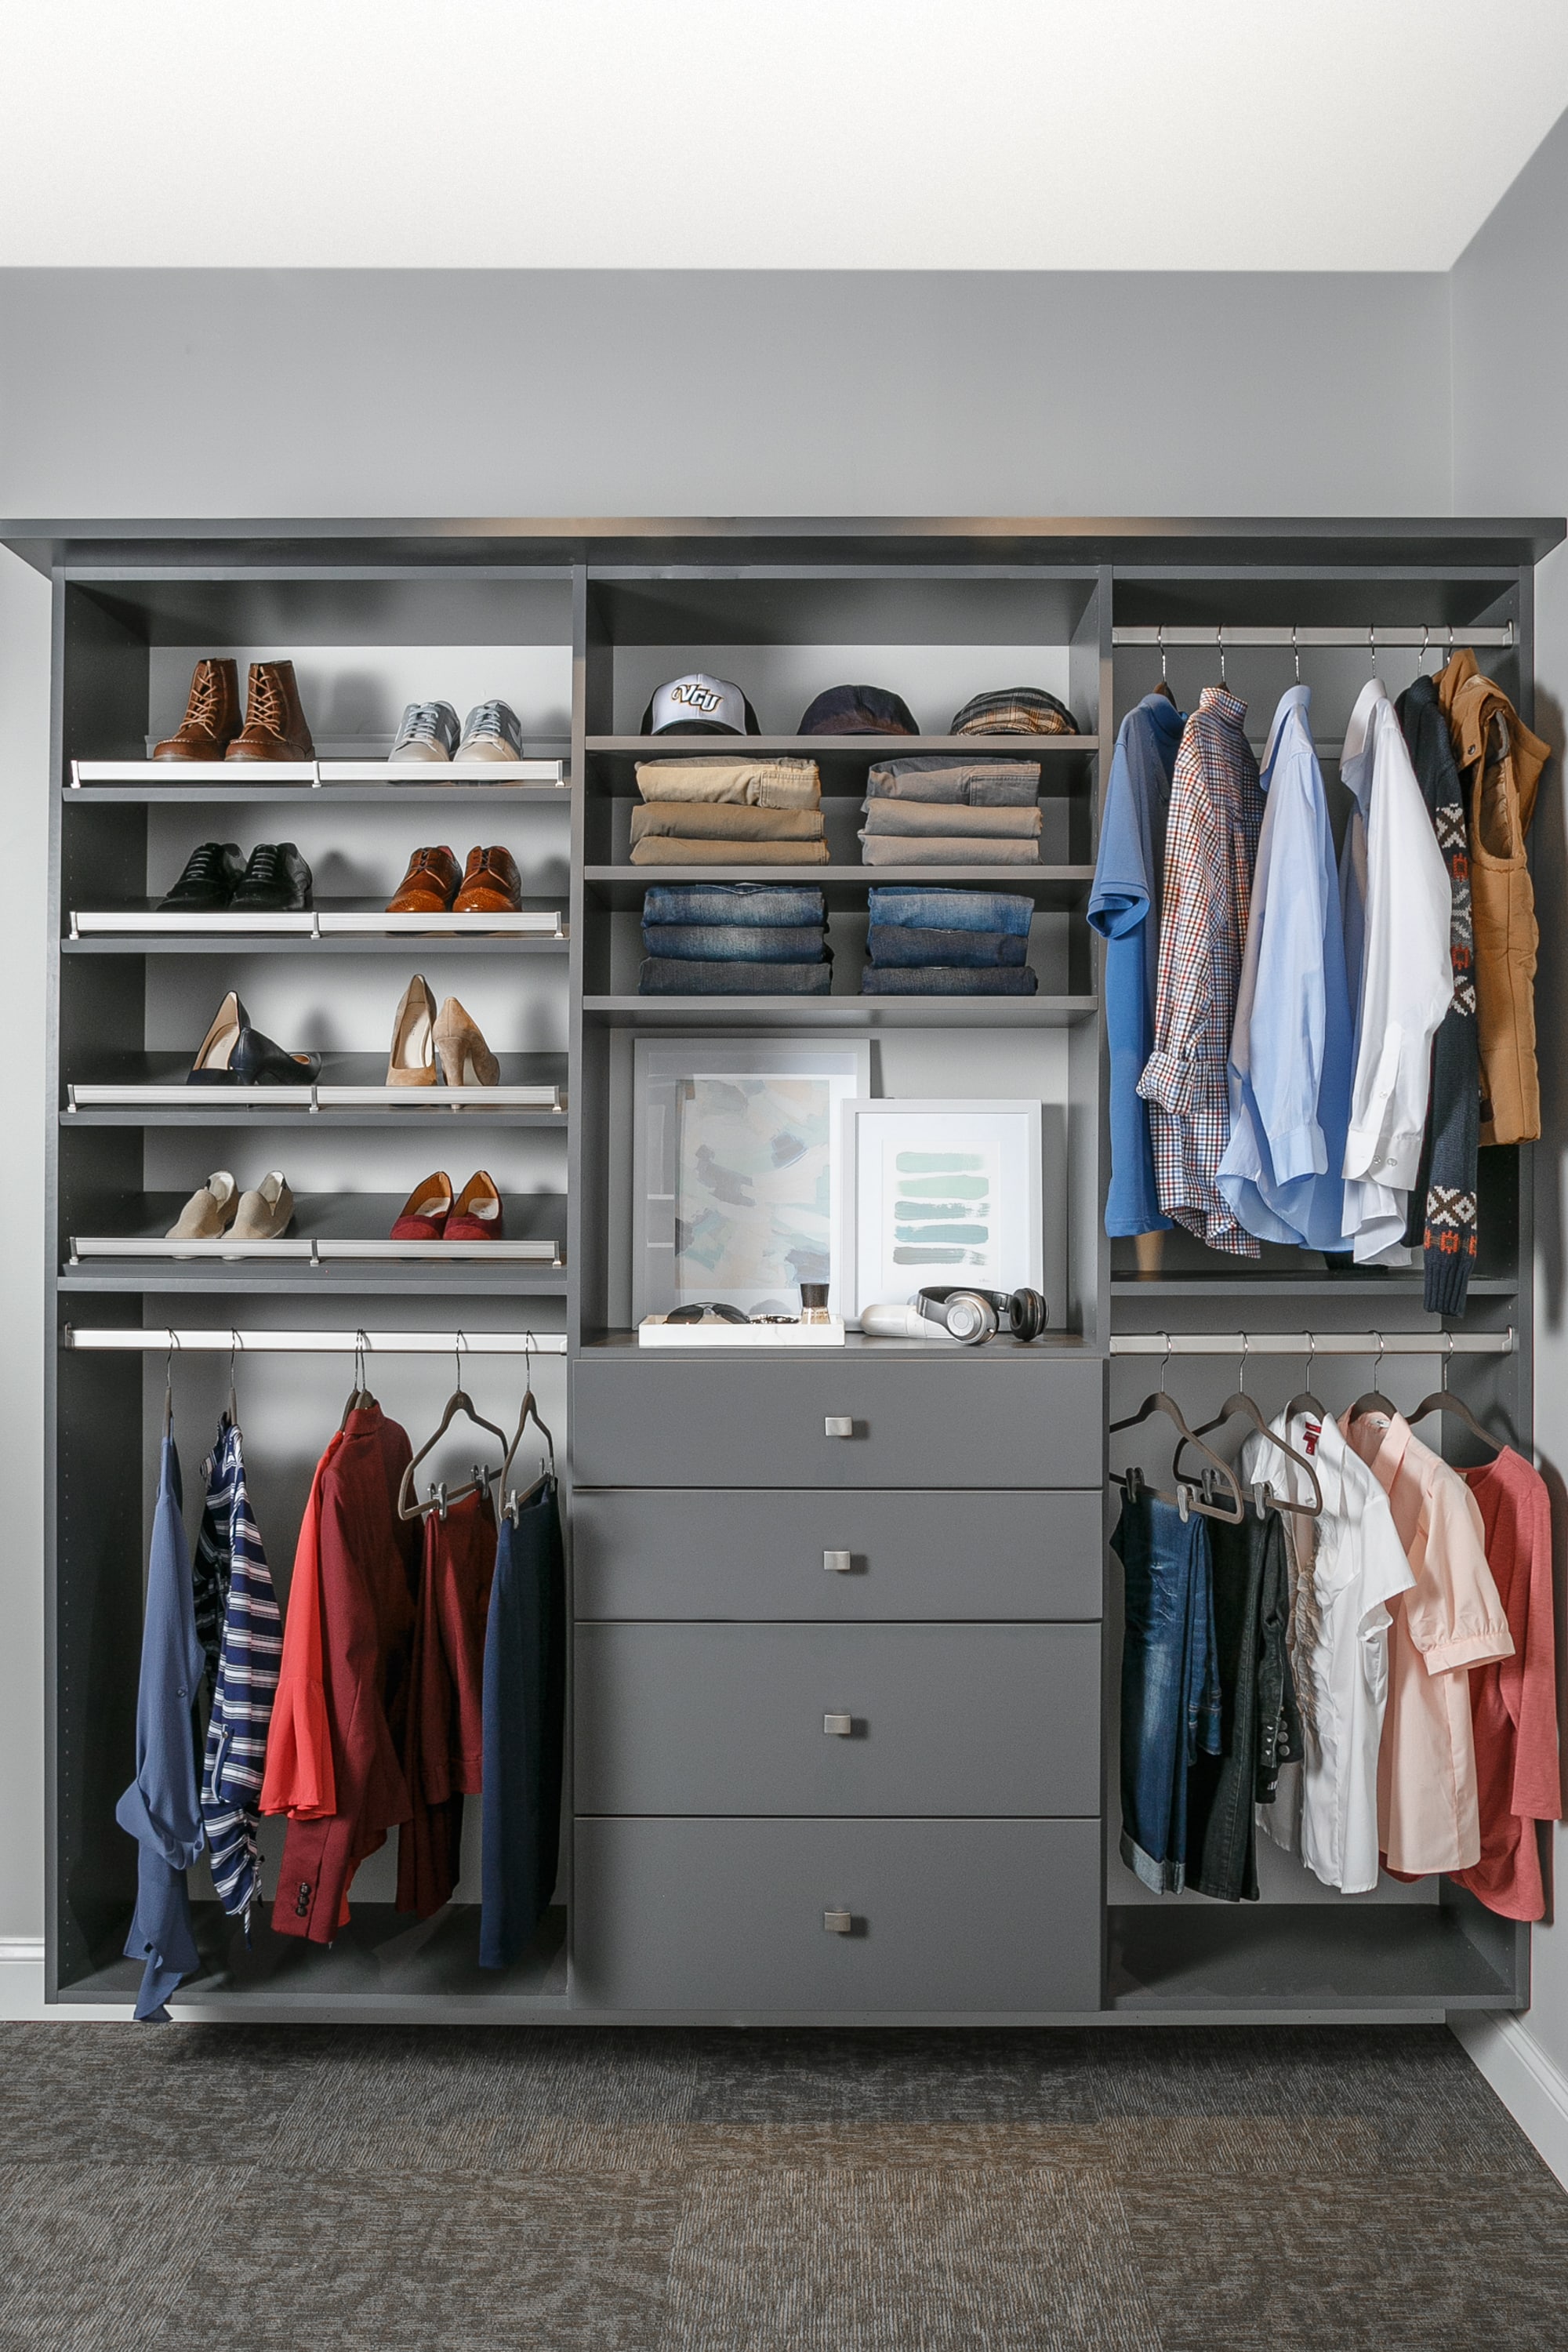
point(954, 1918)
point(786, 1552)
point(936, 1719)
point(1016, 1417)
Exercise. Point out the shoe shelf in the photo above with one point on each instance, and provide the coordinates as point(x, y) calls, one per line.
point(248, 779)
point(334, 1235)
point(847, 1012)
point(149, 1089)
point(309, 943)
point(844, 886)
point(347, 919)
point(842, 759)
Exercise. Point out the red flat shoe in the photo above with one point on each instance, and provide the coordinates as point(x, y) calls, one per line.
point(477, 1216)
point(425, 1211)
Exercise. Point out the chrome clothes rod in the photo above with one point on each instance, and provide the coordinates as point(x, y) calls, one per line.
point(213, 1341)
point(1313, 1343)
point(1436, 636)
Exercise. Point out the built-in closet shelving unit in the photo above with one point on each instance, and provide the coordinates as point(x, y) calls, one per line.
point(717, 1840)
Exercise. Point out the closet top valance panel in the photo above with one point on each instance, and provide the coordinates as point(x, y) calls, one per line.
point(465, 544)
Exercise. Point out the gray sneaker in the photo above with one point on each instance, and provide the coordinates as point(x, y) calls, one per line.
point(429, 731)
point(491, 731)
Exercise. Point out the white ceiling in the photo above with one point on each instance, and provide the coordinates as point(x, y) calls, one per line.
point(719, 134)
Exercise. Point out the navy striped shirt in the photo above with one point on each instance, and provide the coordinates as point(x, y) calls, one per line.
point(242, 1633)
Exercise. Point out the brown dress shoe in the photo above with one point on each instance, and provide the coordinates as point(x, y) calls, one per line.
point(211, 715)
point(491, 884)
point(275, 725)
point(429, 885)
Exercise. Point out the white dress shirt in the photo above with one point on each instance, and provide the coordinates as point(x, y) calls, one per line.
point(1348, 1565)
point(1394, 890)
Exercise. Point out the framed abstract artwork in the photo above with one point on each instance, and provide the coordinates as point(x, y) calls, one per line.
point(734, 1181)
point(940, 1193)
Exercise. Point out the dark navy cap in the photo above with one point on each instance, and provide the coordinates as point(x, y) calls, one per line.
point(858, 710)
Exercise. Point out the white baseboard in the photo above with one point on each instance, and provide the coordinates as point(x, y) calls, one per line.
point(1531, 2086)
point(25, 1950)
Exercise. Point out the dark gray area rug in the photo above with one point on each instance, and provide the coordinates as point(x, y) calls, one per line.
point(386, 2189)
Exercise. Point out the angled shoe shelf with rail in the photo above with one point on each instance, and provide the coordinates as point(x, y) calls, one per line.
point(742, 1582)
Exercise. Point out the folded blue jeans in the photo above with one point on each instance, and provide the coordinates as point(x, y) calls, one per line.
point(1169, 1681)
point(951, 910)
point(765, 904)
point(893, 943)
point(689, 976)
point(736, 942)
point(948, 980)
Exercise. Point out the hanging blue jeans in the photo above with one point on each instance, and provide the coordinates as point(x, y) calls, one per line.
point(524, 1728)
point(1169, 1681)
point(160, 1809)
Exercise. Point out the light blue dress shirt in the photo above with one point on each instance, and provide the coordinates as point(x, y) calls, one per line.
point(1125, 906)
point(1291, 1052)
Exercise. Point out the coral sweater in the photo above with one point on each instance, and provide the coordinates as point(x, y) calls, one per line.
point(1513, 1701)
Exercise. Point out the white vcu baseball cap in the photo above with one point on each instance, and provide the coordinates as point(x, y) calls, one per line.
point(699, 705)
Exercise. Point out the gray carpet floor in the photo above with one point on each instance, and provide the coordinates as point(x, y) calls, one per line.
point(383, 2190)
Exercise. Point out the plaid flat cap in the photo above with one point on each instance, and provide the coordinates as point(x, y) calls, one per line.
point(1015, 710)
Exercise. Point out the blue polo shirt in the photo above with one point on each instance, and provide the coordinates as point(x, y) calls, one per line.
point(1124, 907)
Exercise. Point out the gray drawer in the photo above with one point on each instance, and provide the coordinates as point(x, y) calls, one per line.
point(1006, 1417)
point(719, 1718)
point(755, 1551)
point(947, 1918)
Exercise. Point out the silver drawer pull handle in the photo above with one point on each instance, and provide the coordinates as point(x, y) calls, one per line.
point(838, 1424)
point(836, 1563)
point(838, 1923)
point(838, 1727)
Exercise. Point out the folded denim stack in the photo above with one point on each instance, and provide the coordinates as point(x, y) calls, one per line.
point(729, 812)
point(945, 811)
point(948, 943)
point(734, 939)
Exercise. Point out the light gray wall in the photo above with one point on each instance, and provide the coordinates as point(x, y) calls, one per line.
point(1510, 455)
point(149, 394)
point(176, 393)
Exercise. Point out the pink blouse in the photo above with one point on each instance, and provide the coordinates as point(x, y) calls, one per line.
point(1452, 1618)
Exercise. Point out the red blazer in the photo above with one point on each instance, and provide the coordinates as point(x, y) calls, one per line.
point(445, 1753)
point(364, 1562)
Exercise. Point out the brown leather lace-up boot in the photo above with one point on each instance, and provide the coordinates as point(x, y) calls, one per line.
point(275, 725)
point(211, 715)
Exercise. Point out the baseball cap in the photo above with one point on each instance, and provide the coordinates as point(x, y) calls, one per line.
point(858, 710)
point(700, 704)
point(1015, 710)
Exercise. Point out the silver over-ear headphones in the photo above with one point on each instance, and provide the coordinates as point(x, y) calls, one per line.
point(971, 1317)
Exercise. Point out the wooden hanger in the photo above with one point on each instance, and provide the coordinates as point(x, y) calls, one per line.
point(1443, 1400)
point(1239, 1403)
point(442, 1496)
point(1187, 1497)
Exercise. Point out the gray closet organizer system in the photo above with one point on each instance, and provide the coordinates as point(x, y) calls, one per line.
point(953, 1859)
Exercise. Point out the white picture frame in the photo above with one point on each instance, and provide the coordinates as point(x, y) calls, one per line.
point(679, 1088)
point(904, 1219)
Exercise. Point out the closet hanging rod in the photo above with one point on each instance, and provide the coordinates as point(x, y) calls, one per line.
point(1437, 636)
point(1316, 1343)
point(215, 1341)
